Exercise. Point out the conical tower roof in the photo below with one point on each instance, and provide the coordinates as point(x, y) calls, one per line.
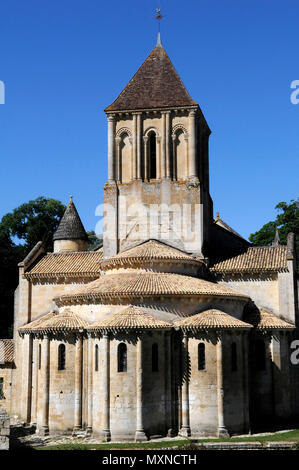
point(155, 85)
point(70, 227)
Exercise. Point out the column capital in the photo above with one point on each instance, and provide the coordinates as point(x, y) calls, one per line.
point(118, 140)
point(111, 117)
point(192, 112)
point(168, 111)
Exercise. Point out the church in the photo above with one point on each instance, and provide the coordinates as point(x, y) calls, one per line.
point(176, 325)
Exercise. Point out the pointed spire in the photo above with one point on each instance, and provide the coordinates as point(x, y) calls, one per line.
point(276, 240)
point(159, 42)
point(70, 227)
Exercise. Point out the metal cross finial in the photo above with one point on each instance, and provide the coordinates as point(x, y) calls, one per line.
point(159, 16)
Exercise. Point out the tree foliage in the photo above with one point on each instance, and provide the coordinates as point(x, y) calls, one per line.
point(34, 221)
point(94, 241)
point(287, 220)
point(20, 230)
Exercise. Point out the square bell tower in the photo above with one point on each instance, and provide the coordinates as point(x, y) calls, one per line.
point(158, 163)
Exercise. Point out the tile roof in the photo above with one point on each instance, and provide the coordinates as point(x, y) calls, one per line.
point(149, 251)
point(156, 84)
point(131, 317)
point(70, 227)
point(254, 259)
point(56, 322)
point(136, 284)
point(211, 319)
point(6, 351)
point(262, 319)
point(37, 323)
point(72, 264)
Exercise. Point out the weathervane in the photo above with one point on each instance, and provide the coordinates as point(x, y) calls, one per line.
point(159, 17)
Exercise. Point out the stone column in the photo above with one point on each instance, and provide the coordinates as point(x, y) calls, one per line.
point(158, 157)
point(192, 145)
point(134, 146)
point(106, 435)
point(46, 385)
point(222, 431)
point(174, 158)
point(78, 383)
point(273, 356)
point(111, 163)
point(246, 382)
point(146, 162)
point(36, 370)
point(167, 145)
point(140, 434)
point(163, 150)
point(90, 383)
point(118, 162)
point(138, 143)
point(27, 377)
point(168, 385)
point(285, 367)
point(185, 428)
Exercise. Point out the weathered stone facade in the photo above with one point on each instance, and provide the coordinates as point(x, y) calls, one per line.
point(4, 430)
point(154, 334)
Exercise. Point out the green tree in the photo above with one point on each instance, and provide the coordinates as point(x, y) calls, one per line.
point(94, 241)
point(34, 221)
point(287, 220)
point(29, 223)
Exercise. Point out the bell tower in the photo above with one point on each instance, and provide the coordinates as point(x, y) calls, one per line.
point(158, 163)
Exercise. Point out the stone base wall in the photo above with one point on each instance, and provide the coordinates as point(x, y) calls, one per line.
point(4, 430)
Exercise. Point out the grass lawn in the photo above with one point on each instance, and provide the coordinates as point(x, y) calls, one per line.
point(186, 443)
point(123, 445)
point(281, 436)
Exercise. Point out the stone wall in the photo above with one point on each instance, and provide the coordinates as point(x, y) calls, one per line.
point(6, 375)
point(4, 430)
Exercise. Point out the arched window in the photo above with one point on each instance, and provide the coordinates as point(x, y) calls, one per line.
point(39, 356)
point(152, 156)
point(61, 357)
point(201, 356)
point(155, 358)
point(234, 357)
point(260, 355)
point(96, 358)
point(122, 357)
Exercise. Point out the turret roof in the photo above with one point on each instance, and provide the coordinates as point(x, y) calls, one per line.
point(70, 227)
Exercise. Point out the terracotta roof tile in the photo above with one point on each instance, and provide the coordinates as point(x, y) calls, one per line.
point(155, 85)
point(145, 285)
point(211, 319)
point(6, 351)
point(77, 264)
point(56, 322)
point(35, 324)
point(131, 317)
point(149, 251)
point(262, 319)
point(254, 259)
point(70, 227)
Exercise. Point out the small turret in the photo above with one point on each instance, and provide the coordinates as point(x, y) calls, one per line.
point(70, 235)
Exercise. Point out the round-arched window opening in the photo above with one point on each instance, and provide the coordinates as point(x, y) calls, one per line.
point(122, 358)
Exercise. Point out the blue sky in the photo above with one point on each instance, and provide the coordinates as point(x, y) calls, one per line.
point(64, 61)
